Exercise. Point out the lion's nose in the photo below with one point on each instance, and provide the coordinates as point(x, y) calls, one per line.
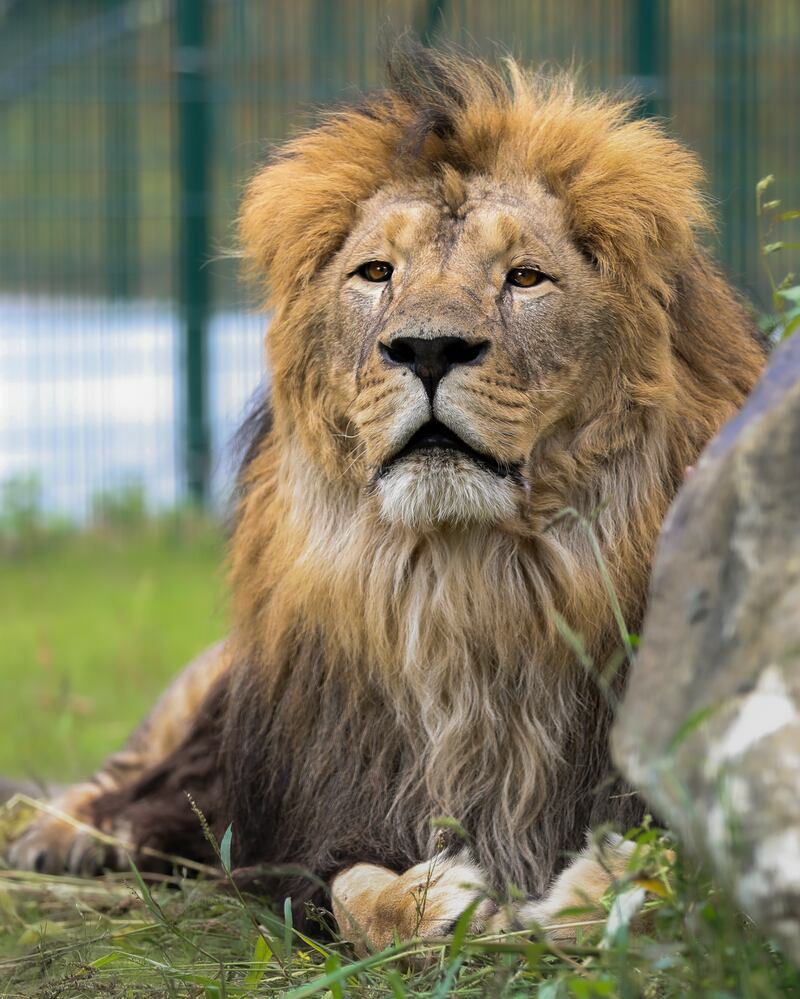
point(431, 359)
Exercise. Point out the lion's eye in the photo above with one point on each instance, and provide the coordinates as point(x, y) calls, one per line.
point(375, 270)
point(525, 277)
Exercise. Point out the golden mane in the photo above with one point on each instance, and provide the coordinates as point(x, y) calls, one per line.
point(404, 675)
point(632, 193)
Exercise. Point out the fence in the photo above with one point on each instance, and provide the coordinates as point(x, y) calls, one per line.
point(127, 127)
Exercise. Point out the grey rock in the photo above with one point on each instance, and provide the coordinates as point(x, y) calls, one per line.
point(709, 729)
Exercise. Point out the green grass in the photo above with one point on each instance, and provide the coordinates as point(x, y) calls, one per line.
point(115, 936)
point(93, 626)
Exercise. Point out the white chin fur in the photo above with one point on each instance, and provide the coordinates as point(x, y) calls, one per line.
point(425, 491)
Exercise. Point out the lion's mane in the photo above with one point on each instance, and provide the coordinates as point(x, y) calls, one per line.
point(385, 677)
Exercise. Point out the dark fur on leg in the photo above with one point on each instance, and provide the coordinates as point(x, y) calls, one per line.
point(157, 809)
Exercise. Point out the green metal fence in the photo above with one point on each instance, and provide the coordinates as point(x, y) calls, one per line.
point(127, 128)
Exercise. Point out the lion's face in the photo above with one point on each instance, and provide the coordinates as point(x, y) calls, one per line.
point(468, 320)
point(485, 296)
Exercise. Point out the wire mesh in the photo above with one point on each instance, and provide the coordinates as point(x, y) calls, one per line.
point(99, 270)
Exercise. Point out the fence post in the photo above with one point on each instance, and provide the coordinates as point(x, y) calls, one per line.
point(433, 21)
point(735, 131)
point(120, 174)
point(193, 241)
point(649, 43)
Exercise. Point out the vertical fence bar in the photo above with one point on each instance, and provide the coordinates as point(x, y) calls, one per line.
point(648, 34)
point(432, 21)
point(736, 130)
point(120, 168)
point(193, 241)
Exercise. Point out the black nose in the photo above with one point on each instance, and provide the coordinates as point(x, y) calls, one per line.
point(431, 359)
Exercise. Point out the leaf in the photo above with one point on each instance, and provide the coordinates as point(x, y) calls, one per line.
point(652, 886)
point(225, 849)
point(396, 983)
point(768, 248)
point(288, 923)
point(170, 970)
point(107, 959)
point(791, 315)
point(262, 953)
point(788, 216)
point(624, 907)
point(147, 896)
point(461, 929)
point(791, 294)
point(271, 927)
point(591, 988)
point(325, 981)
point(764, 183)
point(334, 963)
point(790, 327)
point(446, 983)
point(549, 990)
point(311, 943)
point(768, 322)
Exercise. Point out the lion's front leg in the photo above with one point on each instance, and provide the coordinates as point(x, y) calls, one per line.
point(374, 906)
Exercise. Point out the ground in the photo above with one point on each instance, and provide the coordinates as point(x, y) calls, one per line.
point(93, 625)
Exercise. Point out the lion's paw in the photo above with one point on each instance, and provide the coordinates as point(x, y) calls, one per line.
point(54, 845)
point(580, 886)
point(374, 906)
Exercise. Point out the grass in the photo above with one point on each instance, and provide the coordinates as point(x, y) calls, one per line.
point(117, 936)
point(93, 626)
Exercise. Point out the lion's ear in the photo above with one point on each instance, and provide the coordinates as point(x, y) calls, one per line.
point(298, 210)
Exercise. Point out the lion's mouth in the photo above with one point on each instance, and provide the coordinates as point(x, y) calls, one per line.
point(434, 437)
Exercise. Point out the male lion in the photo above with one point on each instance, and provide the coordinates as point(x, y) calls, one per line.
point(490, 306)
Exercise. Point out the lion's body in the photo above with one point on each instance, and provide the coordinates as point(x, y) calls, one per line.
point(398, 648)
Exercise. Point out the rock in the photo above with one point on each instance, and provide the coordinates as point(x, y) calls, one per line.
point(709, 729)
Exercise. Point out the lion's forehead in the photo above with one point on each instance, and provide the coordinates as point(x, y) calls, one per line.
point(488, 221)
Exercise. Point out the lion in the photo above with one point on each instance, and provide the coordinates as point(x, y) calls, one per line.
point(493, 324)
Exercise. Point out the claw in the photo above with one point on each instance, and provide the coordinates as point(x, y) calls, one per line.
point(53, 845)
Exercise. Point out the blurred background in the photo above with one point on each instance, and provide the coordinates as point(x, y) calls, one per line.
point(128, 346)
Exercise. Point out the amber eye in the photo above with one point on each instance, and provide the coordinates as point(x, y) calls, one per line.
point(375, 270)
point(525, 277)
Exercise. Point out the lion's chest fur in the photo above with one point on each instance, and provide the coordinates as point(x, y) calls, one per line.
point(415, 682)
